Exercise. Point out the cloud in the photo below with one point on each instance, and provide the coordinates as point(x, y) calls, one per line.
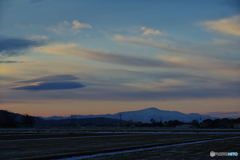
point(37, 37)
point(17, 46)
point(230, 26)
point(7, 79)
point(224, 114)
point(50, 78)
point(49, 86)
point(77, 25)
point(180, 92)
point(54, 82)
point(161, 61)
point(203, 64)
point(148, 31)
point(11, 61)
point(151, 43)
point(163, 85)
point(65, 26)
point(61, 27)
point(127, 93)
point(221, 42)
point(101, 56)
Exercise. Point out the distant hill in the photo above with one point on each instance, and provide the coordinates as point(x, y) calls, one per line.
point(10, 119)
point(145, 115)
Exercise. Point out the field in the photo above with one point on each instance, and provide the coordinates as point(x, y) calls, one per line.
point(116, 144)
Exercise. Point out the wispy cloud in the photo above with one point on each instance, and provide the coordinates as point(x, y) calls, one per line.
point(74, 27)
point(132, 93)
point(49, 86)
point(102, 56)
point(11, 61)
point(151, 43)
point(53, 82)
point(50, 78)
point(17, 46)
point(149, 31)
point(77, 25)
point(37, 37)
point(163, 85)
point(172, 90)
point(219, 66)
point(161, 61)
point(221, 42)
point(224, 114)
point(230, 26)
point(176, 90)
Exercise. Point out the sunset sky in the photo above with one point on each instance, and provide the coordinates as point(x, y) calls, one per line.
point(63, 57)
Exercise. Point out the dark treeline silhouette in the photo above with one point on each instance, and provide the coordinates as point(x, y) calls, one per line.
point(220, 123)
point(7, 119)
point(154, 123)
point(208, 123)
point(27, 121)
point(11, 120)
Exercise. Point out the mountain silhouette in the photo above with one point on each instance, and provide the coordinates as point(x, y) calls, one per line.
point(144, 115)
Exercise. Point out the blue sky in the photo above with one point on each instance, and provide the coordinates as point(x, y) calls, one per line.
point(95, 57)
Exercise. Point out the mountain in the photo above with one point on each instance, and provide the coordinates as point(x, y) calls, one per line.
point(145, 115)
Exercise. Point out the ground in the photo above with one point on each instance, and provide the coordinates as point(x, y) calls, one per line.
point(147, 143)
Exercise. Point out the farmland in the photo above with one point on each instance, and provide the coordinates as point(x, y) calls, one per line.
point(70, 142)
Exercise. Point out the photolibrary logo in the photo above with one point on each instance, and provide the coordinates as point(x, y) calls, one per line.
point(212, 153)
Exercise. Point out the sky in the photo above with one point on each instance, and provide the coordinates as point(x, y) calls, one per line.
point(61, 57)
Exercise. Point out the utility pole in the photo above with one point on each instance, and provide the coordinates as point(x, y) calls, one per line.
point(161, 121)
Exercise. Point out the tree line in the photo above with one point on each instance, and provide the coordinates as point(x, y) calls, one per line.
point(11, 120)
point(207, 123)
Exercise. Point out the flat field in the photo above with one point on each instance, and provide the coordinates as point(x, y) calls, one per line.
point(123, 144)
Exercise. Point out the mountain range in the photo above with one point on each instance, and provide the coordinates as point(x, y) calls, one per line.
point(144, 115)
point(10, 119)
